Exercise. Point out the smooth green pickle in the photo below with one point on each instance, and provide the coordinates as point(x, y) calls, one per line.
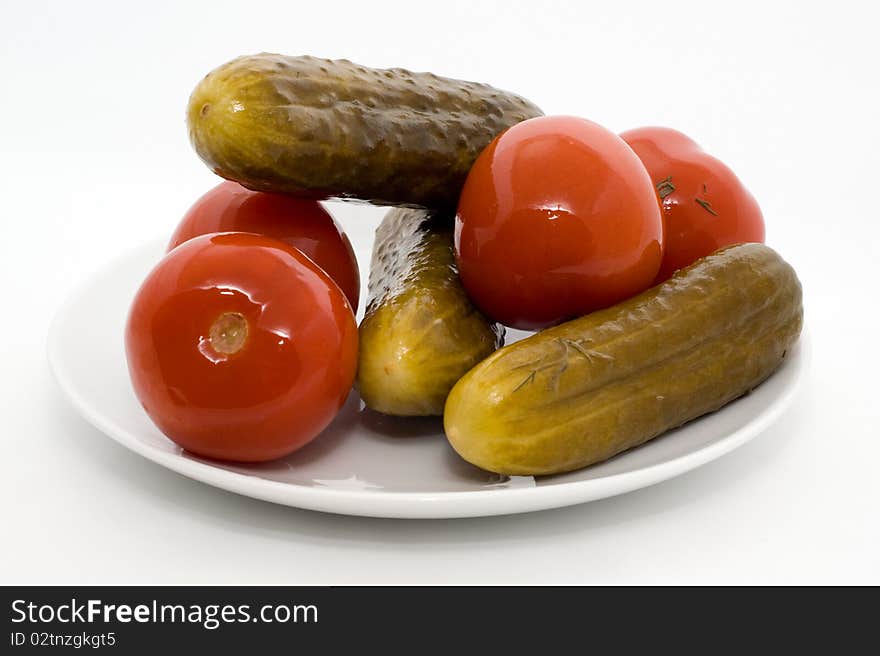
point(586, 390)
point(331, 128)
point(420, 333)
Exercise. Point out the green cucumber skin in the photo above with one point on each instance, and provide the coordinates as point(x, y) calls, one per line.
point(331, 128)
point(588, 389)
point(420, 333)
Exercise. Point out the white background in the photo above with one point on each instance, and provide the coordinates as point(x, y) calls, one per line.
point(94, 159)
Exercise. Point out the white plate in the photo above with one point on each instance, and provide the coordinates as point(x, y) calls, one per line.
point(365, 463)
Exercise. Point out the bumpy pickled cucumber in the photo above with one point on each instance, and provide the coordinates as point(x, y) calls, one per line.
point(420, 333)
point(585, 390)
point(326, 128)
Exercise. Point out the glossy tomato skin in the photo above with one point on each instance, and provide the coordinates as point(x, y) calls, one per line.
point(557, 218)
point(302, 223)
point(704, 204)
point(254, 393)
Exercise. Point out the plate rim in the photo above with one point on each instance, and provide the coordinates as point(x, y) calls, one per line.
point(409, 505)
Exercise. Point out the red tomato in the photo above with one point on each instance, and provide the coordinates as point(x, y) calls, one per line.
point(557, 218)
point(302, 223)
point(240, 347)
point(705, 206)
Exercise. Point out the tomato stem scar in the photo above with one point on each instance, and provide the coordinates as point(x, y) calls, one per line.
point(228, 333)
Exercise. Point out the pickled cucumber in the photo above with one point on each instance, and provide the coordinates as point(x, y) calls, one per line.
point(585, 390)
point(325, 128)
point(420, 333)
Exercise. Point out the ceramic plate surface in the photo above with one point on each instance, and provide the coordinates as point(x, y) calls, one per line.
point(366, 463)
